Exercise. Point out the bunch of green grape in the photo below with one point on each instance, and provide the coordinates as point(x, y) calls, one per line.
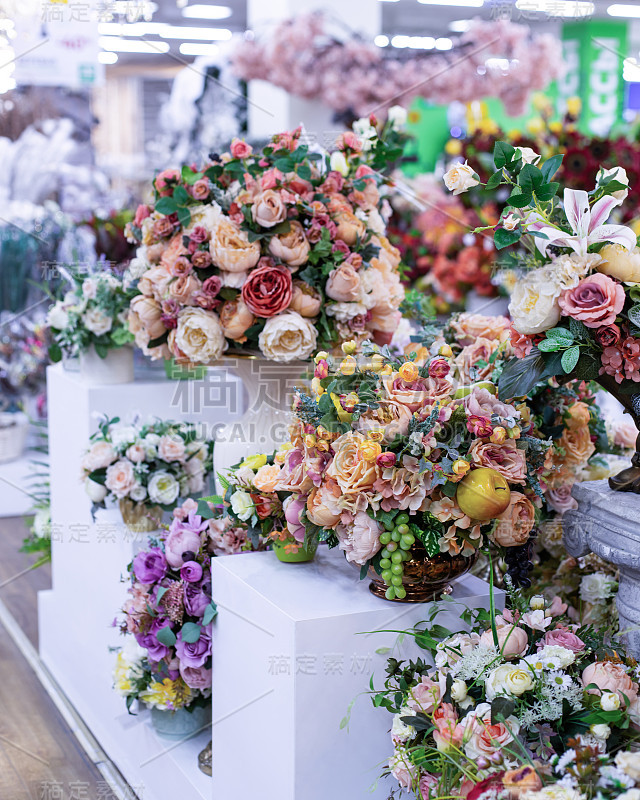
point(398, 541)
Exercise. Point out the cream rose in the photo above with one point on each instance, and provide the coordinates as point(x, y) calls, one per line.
point(620, 175)
point(508, 679)
point(148, 314)
point(268, 209)
point(96, 491)
point(343, 284)
point(291, 247)
point(629, 763)
point(96, 321)
point(231, 249)
point(527, 155)
point(120, 478)
point(99, 455)
point(305, 299)
point(163, 488)
point(534, 306)
point(199, 335)
point(288, 337)
point(460, 178)
point(620, 263)
point(171, 448)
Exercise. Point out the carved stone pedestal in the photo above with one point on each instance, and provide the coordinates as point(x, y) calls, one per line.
point(607, 523)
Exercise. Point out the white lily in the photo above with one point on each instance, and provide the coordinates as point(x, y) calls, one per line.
point(587, 224)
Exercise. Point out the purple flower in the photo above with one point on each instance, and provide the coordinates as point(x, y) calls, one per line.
point(191, 571)
point(157, 651)
point(196, 598)
point(184, 539)
point(196, 677)
point(194, 654)
point(150, 566)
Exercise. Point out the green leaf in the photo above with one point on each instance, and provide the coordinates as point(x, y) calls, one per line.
point(520, 199)
point(180, 195)
point(503, 238)
point(634, 315)
point(503, 154)
point(570, 358)
point(190, 632)
point(550, 167)
point(549, 345)
point(501, 708)
point(161, 593)
point(561, 334)
point(166, 205)
point(548, 191)
point(495, 180)
point(450, 488)
point(166, 637)
point(530, 178)
point(55, 353)
point(520, 375)
point(184, 216)
point(209, 613)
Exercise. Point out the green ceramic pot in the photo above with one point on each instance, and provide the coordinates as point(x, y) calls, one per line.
point(292, 552)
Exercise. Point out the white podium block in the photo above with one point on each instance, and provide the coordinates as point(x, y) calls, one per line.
point(89, 561)
point(294, 646)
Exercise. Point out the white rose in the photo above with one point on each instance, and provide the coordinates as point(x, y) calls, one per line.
point(458, 691)
point(96, 321)
point(610, 701)
point(242, 505)
point(534, 304)
point(339, 163)
point(196, 483)
point(600, 731)
point(123, 435)
point(99, 455)
point(365, 131)
point(397, 116)
point(234, 280)
point(528, 155)
point(510, 222)
point(399, 729)
point(460, 178)
point(199, 335)
point(508, 679)
point(556, 791)
point(596, 587)
point(451, 650)
point(138, 493)
point(288, 337)
point(42, 522)
point(89, 287)
point(343, 312)
point(152, 439)
point(96, 491)
point(619, 174)
point(58, 317)
point(537, 602)
point(163, 488)
point(629, 763)
point(570, 269)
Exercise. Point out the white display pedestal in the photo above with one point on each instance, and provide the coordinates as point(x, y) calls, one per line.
point(288, 661)
point(88, 560)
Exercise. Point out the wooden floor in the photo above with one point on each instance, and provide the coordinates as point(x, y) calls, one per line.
point(40, 758)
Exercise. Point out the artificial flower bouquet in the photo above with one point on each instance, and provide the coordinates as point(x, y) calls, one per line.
point(143, 465)
point(510, 707)
point(166, 662)
point(576, 308)
point(93, 313)
point(279, 252)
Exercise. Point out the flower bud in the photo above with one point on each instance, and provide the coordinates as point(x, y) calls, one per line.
point(348, 365)
point(445, 351)
point(610, 701)
point(370, 450)
point(317, 386)
point(461, 467)
point(310, 440)
point(537, 602)
point(350, 401)
point(322, 369)
point(321, 356)
point(386, 459)
point(499, 435)
point(600, 731)
point(386, 370)
point(458, 691)
point(514, 433)
point(409, 372)
point(349, 348)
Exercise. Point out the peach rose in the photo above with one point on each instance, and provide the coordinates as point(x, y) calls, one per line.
point(148, 314)
point(419, 393)
point(577, 445)
point(596, 300)
point(505, 458)
point(268, 209)
point(154, 282)
point(349, 227)
point(469, 327)
point(391, 416)
point(174, 250)
point(305, 299)
point(388, 253)
point(136, 453)
point(516, 522)
point(360, 540)
point(99, 456)
point(578, 415)
point(469, 356)
point(322, 508)
point(184, 288)
point(512, 641)
point(353, 474)
point(235, 319)
point(291, 247)
point(231, 249)
point(425, 696)
point(609, 677)
point(625, 435)
point(120, 478)
point(343, 284)
point(171, 448)
point(267, 477)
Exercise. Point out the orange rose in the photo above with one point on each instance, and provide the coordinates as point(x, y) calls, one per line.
point(577, 445)
point(231, 249)
point(235, 319)
point(516, 522)
point(291, 247)
point(388, 253)
point(350, 228)
point(266, 478)
point(322, 506)
point(305, 299)
point(353, 474)
point(578, 415)
point(469, 356)
point(393, 417)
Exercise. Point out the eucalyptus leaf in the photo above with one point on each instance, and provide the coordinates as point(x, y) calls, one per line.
point(190, 632)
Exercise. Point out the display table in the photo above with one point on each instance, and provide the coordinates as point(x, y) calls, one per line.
point(89, 560)
point(294, 646)
point(607, 523)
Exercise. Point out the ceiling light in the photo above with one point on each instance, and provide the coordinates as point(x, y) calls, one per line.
point(184, 32)
point(623, 10)
point(381, 40)
point(107, 58)
point(207, 12)
point(117, 45)
point(130, 28)
point(460, 25)
point(465, 3)
point(443, 43)
point(400, 41)
point(557, 8)
point(198, 49)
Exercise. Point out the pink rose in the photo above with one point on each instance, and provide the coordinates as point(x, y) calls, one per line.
point(200, 189)
point(482, 403)
point(240, 149)
point(512, 641)
point(136, 453)
point(184, 289)
point(268, 209)
point(596, 300)
point(171, 448)
point(505, 458)
point(403, 769)
point(195, 677)
point(626, 435)
point(360, 540)
point(485, 739)
point(120, 478)
point(180, 541)
point(142, 212)
point(267, 291)
point(305, 299)
point(343, 284)
point(99, 455)
point(560, 499)
point(562, 637)
point(428, 785)
point(610, 677)
point(425, 696)
point(165, 181)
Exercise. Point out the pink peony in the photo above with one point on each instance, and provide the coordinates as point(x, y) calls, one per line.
point(360, 540)
point(610, 677)
point(596, 300)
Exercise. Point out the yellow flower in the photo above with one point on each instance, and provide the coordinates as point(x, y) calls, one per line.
point(348, 365)
point(310, 440)
point(514, 133)
point(349, 348)
point(376, 434)
point(121, 680)
point(409, 372)
point(461, 467)
point(574, 106)
point(555, 127)
point(525, 412)
point(343, 415)
point(168, 694)
point(499, 435)
point(317, 386)
point(282, 452)
point(445, 351)
point(255, 462)
point(386, 370)
point(323, 433)
point(322, 355)
point(535, 125)
point(370, 450)
point(351, 400)
point(453, 147)
point(514, 433)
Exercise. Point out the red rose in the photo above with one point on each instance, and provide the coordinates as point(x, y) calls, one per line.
point(268, 291)
point(608, 335)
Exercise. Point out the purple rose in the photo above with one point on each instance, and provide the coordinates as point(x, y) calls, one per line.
point(194, 654)
point(191, 571)
point(196, 599)
point(150, 566)
point(196, 677)
point(157, 651)
point(184, 539)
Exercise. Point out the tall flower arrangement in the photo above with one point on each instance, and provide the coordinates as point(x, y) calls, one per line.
point(279, 251)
